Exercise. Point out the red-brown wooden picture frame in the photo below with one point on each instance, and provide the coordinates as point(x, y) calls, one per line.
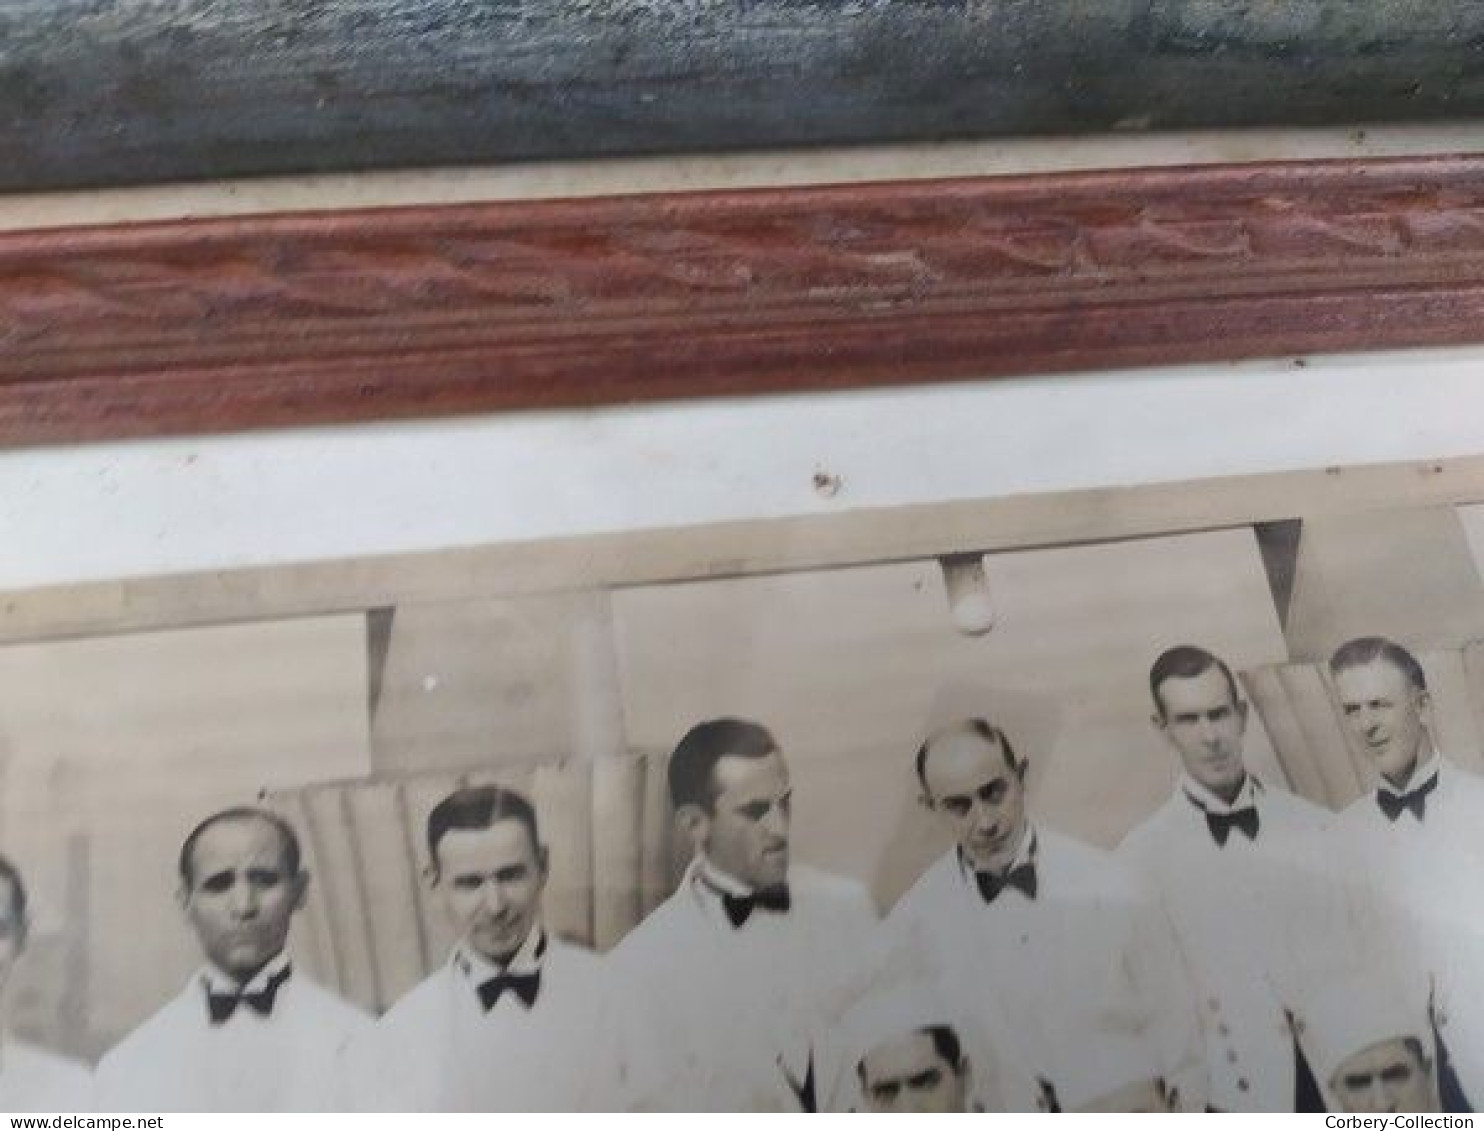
point(229, 324)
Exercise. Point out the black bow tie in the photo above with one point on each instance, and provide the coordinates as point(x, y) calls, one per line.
point(523, 986)
point(739, 908)
point(221, 1004)
point(1244, 821)
point(1414, 800)
point(1022, 877)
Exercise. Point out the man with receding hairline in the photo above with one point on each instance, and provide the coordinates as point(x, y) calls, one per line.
point(1416, 836)
point(1239, 869)
point(516, 1019)
point(1037, 927)
point(31, 1079)
point(1419, 796)
point(728, 972)
point(248, 1032)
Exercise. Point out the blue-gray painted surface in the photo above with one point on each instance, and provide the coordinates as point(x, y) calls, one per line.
point(118, 91)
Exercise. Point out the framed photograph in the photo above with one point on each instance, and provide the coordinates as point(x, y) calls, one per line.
point(1107, 743)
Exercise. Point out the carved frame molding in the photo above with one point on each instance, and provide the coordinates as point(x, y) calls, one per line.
point(231, 324)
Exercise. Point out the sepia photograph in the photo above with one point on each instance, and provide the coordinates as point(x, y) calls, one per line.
point(888, 556)
point(1148, 798)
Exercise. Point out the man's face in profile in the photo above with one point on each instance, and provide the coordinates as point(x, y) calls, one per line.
point(1385, 715)
point(745, 833)
point(491, 881)
point(970, 782)
point(910, 1074)
point(240, 895)
point(12, 930)
point(1206, 725)
point(1389, 1076)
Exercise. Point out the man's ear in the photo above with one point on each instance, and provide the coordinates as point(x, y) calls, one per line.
point(694, 822)
point(183, 896)
point(543, 861)
point(1424, 704)
point(1020, 769)
point(301, 888)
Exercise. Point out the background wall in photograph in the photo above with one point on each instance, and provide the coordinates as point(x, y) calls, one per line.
point(113, 748)
point(850, 667)
point(355, 725)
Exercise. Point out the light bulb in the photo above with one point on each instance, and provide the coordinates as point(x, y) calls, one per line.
point(969, 603)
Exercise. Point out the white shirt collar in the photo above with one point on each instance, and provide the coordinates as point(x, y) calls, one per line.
point(708, 885)
point(1423, 770)
point(1025, 853)
point(1246, 797)
point(218, 981)
point(716, 881)
point(527, 959)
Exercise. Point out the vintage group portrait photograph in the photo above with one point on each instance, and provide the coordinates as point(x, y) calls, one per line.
point(932, 808)
point(519, 590)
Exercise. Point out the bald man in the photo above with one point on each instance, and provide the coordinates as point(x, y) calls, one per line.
point(1038, 926)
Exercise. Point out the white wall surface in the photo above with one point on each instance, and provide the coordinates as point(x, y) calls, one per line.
point(142, 508)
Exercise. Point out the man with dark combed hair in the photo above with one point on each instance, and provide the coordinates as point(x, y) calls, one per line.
point(517, 1019)
point(31, 1079)
point(921, 1070)
point(1416, 838)
point(1237, 866)
point(248, 1032)
point(727, 971)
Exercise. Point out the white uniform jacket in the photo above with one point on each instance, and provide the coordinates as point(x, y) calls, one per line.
point(32, 1079)
point(440, 1049)
point(1250, 916)
point(1423, 879)
point(729, 1012)
point(1090, 950)
point(289, 1060)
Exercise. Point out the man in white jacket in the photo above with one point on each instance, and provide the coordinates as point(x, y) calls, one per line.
point(1038, 927)
point(248, 1032)
point(31, 1079)
point(729, 972)
point(516, 1019)
point(1417, 840)
point(1240, 868)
